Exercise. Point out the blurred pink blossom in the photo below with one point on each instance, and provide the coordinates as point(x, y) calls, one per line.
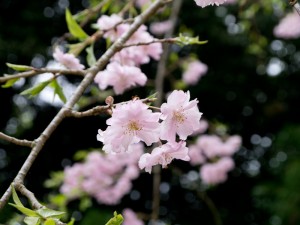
point(288, 27)
point(107, 23)
point(202, 128)
point(130, 218)
point(195, 70)
point(164, 155)
point(105, 177)
point(67, 60)
point(121, 77)
point(130, 123)
point(180, 116)
point(160, 28)
point(204, 3)
point(214, 173)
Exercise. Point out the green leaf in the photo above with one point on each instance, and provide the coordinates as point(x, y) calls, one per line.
point(29, 220)
point(58, 91)
point(50, 213)
point(74, 27)
point(105, 7)
point(116, 220)
point(10, 83)
point(19, 67)
point(36, 89)
point(71, 222)
point(186, 40)
point(15, 197)
point(26, 211)
point(85, 203)
point(90, 58)
point(75, 49)
point(50, 221)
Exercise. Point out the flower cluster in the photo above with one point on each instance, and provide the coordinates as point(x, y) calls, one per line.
point(215, 157)
point(123, 70)
point(288, 27)
point(134, 122)
point(195, 70)
point(67, 60)
point(107, 177)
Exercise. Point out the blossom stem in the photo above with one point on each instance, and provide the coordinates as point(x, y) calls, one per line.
point(16, 141)
point(296, 5)
point(88, 79)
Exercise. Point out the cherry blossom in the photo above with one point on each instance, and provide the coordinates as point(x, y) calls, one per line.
point(121, 77)
point(195, 70)
point(180, 116)
point(130, 123)
point(214, 173)
point(288, 27)
point(107, 23)
point(164, 155)
point(67, 60)
point(130, 218)
point(160, 28)
point(204, 3)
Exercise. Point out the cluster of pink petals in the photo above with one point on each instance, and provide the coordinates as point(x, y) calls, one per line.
point(67, 60)
point(130, 123)
point(130, 218)
point(215, 156)
point(288, 27)
point(204, 3)
point(195, 70)
point(164, 155)
point(215, 173)
point(120, 77)
point(133, 122)
point(180, 116)
point(159, 28)
point(123, 72)
point(202, 128)
point(105, 177)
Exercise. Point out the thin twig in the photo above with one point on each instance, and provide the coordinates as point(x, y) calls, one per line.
point(165, 40)
point(88, 79)
point(159, 83)
point(38, 71)
point(16, 141)
point(35, 204)
point(296, 5)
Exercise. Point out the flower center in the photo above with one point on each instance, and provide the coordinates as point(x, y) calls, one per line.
point(132, 127)
point(179, 117)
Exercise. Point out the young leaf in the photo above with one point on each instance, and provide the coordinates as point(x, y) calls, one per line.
point(10, 83)
point(29, 220)
point(58, 90)
point(19, 67)
point(186, 40)
point(50, 213)
point(49, 222)
point(90, 58)
point(15, 196)
point(26, 211)
point(36, 89)
point(71, 222)
point(74, 27)
point(116, 220)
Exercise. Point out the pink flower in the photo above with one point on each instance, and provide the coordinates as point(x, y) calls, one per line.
point(130, 218)
point(107, 23)
point(68, 60)
point(120, 77)
point(214, 173)
point(196, 155)
point(203, 127)
point(130, 123)
point(194, 72)
point(180, 116)
point(160, 28)
point(164, 155)
point(204, 3)
point(288, 27)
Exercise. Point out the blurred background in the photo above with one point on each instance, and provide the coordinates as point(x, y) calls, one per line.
point(252, 88)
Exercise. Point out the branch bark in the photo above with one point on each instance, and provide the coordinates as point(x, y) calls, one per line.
point(91, 73)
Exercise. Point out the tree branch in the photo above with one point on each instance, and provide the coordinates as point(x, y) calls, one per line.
point(296, 5)
point(91, 73)
point(37, 71)
point(16, 141)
